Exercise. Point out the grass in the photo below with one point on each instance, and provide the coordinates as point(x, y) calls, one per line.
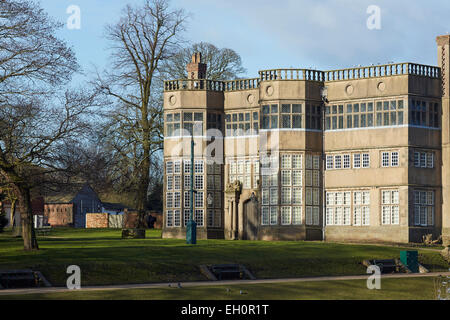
point(104, 258)
point(391, 289)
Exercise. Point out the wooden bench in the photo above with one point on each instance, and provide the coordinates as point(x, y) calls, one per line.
point(12, 277)
point(227, 271)
point(43, 230)
point(386, 265)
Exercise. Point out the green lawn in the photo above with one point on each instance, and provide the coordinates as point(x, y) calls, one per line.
point(105, 258)
point(391, 289)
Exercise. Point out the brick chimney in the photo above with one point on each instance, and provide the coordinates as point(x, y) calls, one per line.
point(443, 44)
point(196, 69)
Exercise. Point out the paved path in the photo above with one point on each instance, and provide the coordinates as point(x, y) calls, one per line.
point(216, 283)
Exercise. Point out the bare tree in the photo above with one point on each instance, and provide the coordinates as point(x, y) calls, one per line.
point(145, 36)
point(223, 64)
point(32, 136)
point(32, 59)
point(34, 64)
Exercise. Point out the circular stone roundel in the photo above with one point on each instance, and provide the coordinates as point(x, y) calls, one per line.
point(269, 90)
point(172, 100)
point(349, 89)
point(381, 86)
point(251, 98)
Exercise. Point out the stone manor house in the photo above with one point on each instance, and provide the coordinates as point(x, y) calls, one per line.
point(359, 154)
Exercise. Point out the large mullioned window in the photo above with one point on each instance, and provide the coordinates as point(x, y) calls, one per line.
point(291, 189)
point(390, 208)
point(340, 212)
point(246, 171)
point(178, 178)
point(242, 123)
point(291, 116)
point(424, 159)
point(344, 161)
point(424, 114)
point(424, 208)
point(364, 114)
point(269, 116)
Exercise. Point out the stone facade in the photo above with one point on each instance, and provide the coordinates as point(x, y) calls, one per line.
point(354, 154)
point(97, 220)
point(59, 214)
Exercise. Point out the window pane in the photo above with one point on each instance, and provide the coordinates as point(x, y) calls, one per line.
point(274, 122)
point(296, 121)
point(286, 121)
point(296, 108)
point(187, 116)
point(198, 116)
point(274, 108)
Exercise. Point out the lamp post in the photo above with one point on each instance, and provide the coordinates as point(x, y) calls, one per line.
point(191, 228)
point(324, 96)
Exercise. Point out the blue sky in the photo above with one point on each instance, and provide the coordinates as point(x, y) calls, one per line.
point(326, 34)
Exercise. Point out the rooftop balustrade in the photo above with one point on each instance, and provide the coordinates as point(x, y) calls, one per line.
point(386, 70)
point(291, 74)
point(241, 84)
point(194, 84)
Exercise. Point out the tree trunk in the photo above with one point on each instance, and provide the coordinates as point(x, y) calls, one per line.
point(28, 234)
point(12, 214)
point(143, 185)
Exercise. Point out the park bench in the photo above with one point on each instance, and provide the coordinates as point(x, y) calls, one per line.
point(19, 278)
point(227, 271)
point(386, 265)
point(43, 230)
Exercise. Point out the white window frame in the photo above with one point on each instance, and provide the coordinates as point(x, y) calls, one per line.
point(265, 216)
point(169, 219)
point(356, 161)
point(395, 159)
point(346, 162)
point(286, 215)
point(385, 159)
point(365, 160)
point(338, 162)
point(296, 215)
point(273, 215)
point(330, 162)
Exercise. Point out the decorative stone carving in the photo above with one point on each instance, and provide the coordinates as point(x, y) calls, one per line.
point(172, 100)
point(254, 198)
point(381, 86)
point(349, 89)
point(269, 90)
point(234, 187)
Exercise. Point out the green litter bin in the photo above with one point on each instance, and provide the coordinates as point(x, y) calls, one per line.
point(410, 259)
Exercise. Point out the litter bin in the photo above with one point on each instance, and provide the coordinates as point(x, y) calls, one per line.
point(410, 259)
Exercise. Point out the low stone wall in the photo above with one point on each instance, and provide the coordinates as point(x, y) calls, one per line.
point(130, 219)
point(115, 221)
point(159, 219)
point(381, 234)
point(97, 220)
